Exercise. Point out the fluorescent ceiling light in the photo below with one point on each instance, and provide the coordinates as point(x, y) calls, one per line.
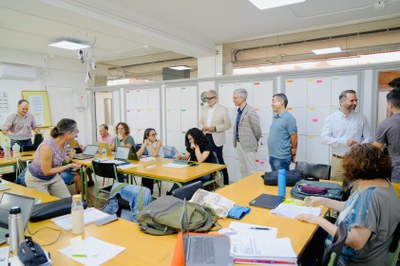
point(70, 45)
point(265, 4)
point(330, 50)
point(182, 67)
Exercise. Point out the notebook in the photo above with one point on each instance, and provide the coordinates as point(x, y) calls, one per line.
point(8, 201)
point(102, 146)
point(267, 201)
point(89, 152)
point(203, 249)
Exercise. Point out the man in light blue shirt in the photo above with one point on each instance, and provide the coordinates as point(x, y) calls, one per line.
point(343, 129)
point(282, 140)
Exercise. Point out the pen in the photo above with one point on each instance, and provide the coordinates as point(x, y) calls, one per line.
point(259, 228)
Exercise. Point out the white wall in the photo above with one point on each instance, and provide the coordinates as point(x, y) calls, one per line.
point(62, 78)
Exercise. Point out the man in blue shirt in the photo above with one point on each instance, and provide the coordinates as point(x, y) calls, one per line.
point(282, 140)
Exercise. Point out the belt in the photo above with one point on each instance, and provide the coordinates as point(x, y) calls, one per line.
point(337, 156)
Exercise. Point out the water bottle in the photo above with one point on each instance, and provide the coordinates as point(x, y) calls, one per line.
point(16, 149)
point(16, 229)
point(104, 153)
point(282, 182)
point(77, 215)
point(7, 153)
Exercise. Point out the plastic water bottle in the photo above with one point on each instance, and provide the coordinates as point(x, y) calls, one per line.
point(16, 229)
point(104, 153)
point(16, 149)
point(77, 215)
point(7, 153)
point(282, 182)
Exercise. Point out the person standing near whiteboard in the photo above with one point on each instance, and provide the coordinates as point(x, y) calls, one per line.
point(343, 129)
point(282, 140)
point(246, 133)
point(18, 125)
point(214, 121)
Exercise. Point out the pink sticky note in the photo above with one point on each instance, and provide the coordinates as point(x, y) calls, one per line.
point(315, 120)
point(319, 81)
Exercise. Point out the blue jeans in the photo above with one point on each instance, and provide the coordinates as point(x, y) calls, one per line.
point(279, 163)
point(26, 142)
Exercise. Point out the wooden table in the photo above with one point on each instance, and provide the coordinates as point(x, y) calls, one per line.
point(155, 170)
point(143, 249)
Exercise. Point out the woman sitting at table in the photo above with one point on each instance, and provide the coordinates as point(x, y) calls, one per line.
point(198, 150)
point(152, 146)
point(371, 213)
point(122, 138)
point(43, 173)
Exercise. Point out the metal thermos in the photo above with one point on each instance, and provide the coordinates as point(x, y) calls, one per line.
point(15, 228)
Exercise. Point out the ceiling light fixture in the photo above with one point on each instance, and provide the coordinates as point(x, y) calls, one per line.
point(181, 67)
point(70, 45)
point(265, 4)
point(330, 50)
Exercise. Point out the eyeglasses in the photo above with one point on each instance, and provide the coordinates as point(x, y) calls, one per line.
point(209, 98)
point(153, 135)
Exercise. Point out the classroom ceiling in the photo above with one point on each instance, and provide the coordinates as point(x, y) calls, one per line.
point(129, 32)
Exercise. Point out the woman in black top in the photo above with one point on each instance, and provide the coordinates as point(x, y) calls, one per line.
point(199, 150)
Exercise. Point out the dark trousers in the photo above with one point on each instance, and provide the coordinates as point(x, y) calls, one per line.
point(220, 159)
point(25, 142)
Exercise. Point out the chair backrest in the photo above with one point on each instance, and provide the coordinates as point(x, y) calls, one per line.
point(187, 191)
point(395, 245)
point(313, 170)
point(107, 170)
point(332, 252)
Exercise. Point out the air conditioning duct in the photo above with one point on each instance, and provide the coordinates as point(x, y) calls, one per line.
point(16, 72)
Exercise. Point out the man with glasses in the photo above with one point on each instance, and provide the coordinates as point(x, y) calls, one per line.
point(18, 125)
point(214, 121)
point(246, 133)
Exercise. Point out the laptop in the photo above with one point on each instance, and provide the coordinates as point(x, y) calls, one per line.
point(75, 144)
point(8, 201)
point(102, 146)
point(88, 153)
point(203, 249)
point(124, 154)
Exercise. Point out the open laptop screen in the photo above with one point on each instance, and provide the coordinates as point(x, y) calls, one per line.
point(122, 153)
point(10, 200)
point(91, 150)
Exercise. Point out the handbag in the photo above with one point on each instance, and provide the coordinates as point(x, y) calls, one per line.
point(292, 177)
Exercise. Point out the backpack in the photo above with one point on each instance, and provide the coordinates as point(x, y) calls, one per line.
point(292, 177)
point(163, 217)
point(305, 188)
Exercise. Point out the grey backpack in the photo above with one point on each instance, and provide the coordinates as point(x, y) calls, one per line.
point(163, 217)
point(305, 188)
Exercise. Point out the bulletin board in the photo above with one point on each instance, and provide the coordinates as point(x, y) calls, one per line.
point(39, 106)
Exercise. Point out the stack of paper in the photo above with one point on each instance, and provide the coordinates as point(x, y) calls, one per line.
point(292, 210)
point(259, 250)
point(90, 215)
point(257, 244)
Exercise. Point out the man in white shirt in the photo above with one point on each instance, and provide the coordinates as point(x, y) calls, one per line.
point(343, 129)
point(214, 121)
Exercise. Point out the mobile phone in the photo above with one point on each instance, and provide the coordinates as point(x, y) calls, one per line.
point(107, 220)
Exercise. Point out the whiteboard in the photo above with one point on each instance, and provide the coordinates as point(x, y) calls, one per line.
point(319, 92)
point(296, 92)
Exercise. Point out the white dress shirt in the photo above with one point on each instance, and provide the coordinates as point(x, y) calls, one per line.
point(339, 128)
point(210, 115)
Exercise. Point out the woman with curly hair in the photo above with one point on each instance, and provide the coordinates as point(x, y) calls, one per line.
point(122, 138)
point(371, 213)
point(198, 150)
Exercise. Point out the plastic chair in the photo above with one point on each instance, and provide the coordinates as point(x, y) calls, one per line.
point(314, 171)
point(332, 252)
point(104, 170)
point(187, 191)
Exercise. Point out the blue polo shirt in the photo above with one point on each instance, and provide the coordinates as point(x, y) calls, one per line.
point(279, 143)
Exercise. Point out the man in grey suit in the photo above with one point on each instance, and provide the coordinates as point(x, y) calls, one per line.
point(246, 133)
point(214, 121)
